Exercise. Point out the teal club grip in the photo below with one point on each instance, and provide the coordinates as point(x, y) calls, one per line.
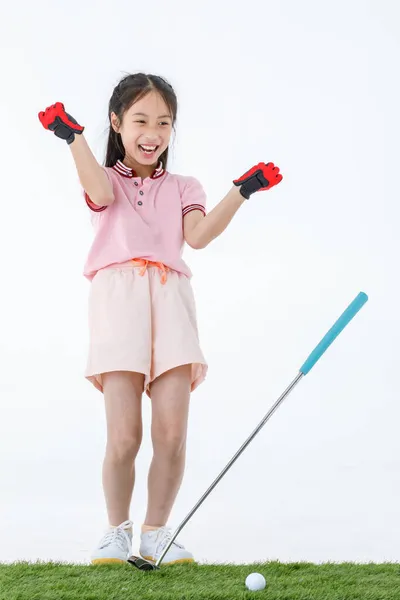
point(332, 334)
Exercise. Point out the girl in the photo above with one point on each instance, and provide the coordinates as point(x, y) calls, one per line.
point(142, 316)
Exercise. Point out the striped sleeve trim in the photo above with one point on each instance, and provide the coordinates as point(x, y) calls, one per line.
point(94, 207)
point(191, 207)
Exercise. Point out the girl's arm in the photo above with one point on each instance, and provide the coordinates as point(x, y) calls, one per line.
point(91, 175)
point(200, 230)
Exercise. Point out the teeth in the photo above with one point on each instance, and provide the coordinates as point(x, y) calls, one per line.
point(150, 148)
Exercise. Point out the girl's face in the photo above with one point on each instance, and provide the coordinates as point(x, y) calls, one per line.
point(145, 131)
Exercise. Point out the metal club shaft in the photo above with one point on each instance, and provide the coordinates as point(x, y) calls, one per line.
point(312, 359)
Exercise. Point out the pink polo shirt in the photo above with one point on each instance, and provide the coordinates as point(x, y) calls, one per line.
point(144, 221)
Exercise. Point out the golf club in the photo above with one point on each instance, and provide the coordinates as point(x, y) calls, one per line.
point(331, 335)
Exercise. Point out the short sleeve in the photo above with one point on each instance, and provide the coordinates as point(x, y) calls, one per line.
point(193, 197)
point(94, 207)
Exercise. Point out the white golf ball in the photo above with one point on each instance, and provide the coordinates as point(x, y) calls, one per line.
point(255, 582)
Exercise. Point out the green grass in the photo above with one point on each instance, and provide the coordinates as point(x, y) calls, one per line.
point(293, 581)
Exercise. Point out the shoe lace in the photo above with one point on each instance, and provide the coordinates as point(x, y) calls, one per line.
point(118, 536)
point(164, 536)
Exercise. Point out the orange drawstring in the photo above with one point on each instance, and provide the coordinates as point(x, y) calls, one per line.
point(141, 262)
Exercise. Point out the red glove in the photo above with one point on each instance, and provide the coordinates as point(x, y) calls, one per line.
point(56, 119)
point(261, 177)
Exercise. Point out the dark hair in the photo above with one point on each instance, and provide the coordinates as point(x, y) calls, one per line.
point(129, 90)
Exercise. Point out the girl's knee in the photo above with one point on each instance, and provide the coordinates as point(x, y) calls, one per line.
point(124, 448)
point(169, 444)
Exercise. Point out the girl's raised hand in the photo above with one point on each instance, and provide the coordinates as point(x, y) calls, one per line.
point(61, 123)
point(258, 178)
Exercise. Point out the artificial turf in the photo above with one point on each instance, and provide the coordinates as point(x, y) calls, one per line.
point(285, 581)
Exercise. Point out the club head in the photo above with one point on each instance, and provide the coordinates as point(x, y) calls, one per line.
point(141, 564)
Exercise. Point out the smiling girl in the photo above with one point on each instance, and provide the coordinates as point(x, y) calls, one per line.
point(142, 314)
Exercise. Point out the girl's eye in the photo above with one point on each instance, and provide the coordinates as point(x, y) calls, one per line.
point(162, 123)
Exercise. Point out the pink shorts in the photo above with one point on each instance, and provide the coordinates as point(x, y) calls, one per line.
point(142, 320)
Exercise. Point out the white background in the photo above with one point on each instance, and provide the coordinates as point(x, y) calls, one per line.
point(312, 86)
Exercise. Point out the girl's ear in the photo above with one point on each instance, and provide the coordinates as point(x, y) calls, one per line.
point(115, 124)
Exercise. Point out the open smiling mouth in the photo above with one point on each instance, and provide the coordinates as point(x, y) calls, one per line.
point(148, 151)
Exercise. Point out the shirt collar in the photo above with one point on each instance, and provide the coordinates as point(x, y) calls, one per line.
point(128, 172)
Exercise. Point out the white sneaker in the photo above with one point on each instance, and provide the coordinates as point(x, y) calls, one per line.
point(115, 546)
point(152, 544)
